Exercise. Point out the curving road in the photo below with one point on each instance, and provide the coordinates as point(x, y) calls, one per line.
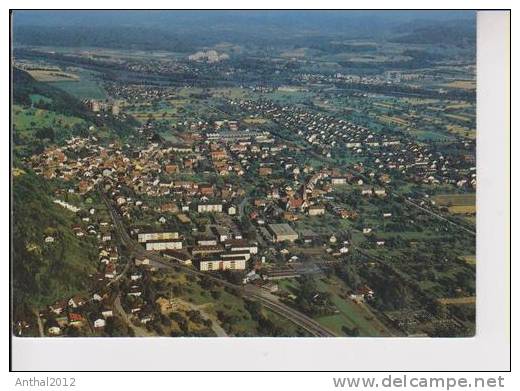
point(252, 292)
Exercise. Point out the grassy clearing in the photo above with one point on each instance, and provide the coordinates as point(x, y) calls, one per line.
point(350, 314)
point(26, 119)
point(85, 87)
point(472, 219)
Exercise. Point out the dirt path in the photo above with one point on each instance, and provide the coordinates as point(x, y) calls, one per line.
point(40, 323)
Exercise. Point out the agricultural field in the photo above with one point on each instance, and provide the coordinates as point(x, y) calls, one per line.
point(144, 113)
point(52, 75)
point(393, 120)
point(458, 117)
point(232, 93)
point(462, 131)
point(425, 119)
point(85, 86)
point(458, 300)
point(462, 209)
point(460, 105)
point(290, 96)
point(458, 204)
point(455, 199)
point(462, 84)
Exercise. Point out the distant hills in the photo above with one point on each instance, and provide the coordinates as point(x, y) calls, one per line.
point(182, 31)
point(453, 32)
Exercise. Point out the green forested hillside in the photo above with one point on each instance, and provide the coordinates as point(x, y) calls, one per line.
point(44, 272)
point(43, 114)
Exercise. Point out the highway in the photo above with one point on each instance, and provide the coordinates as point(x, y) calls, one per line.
point(252, 292)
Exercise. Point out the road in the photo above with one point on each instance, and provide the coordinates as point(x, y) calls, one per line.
point(40, 323)
point(242, 206)
point(394, 194)
point(369, 180)
point(269, 301)
point(123, 272)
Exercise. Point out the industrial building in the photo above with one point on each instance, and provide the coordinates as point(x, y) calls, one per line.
point(282, 232)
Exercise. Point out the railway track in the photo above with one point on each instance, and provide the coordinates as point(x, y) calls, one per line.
point(301, 320)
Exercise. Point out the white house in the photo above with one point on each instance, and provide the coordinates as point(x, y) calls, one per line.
point(99, 323)
point(54, 330)
point(107, 313)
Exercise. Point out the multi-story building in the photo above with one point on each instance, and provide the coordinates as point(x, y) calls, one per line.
point(144, 237)
point(222, 264)
point(167, 244)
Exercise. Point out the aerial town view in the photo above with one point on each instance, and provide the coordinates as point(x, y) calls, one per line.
point(243, 173)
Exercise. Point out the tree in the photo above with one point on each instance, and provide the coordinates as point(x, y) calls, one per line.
point(45, 133)
point(352, 332)
point(116, 327)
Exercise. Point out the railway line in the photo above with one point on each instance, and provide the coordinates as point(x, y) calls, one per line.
point(251, 292)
